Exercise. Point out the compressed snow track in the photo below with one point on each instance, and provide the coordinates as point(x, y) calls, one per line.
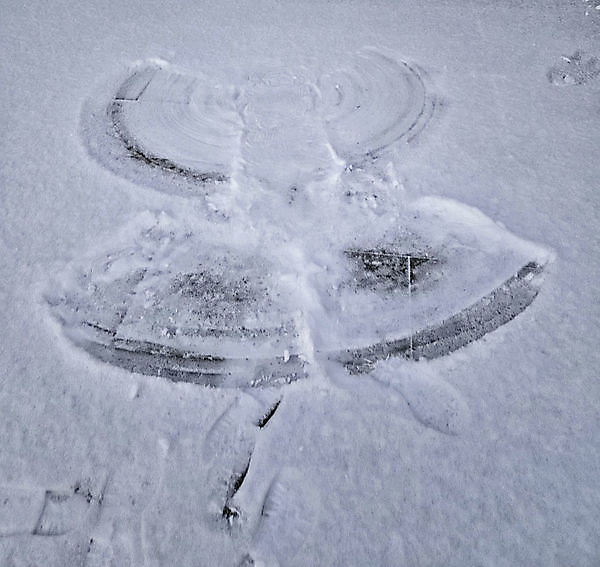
point(217, 321)
point(255, 311)
point(164, 301)
point(492, 311)
point(185, 134)
point(376, 102)
point(154, 118)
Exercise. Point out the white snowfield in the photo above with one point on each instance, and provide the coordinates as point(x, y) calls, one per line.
point(300, 284)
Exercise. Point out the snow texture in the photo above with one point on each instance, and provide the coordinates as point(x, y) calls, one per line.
point(299, 284)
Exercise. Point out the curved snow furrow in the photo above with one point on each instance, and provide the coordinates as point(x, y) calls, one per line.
point(160, 306)
point(283, 129)
point(486, 315)
point(198, 132)
point(135, 150)
point(457, 256)
point(167, 299)
point(111, 133)
point(176, 365)
point(373, 104)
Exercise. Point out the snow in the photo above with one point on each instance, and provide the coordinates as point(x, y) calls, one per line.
point(475, 129)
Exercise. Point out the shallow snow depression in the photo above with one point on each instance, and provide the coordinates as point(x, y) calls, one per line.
point(308, 252)
point(310, 247)
point(278, 321)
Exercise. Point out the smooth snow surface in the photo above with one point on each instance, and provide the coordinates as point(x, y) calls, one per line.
point(300, 284)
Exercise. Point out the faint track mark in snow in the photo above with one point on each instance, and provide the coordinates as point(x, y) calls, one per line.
point(198, 134)
point(374, 103)
point(20, 509)
point(123, 536)
point(288, 515)
point(432, 401)
point(143, 545)
point(284, 143)
point(70, 516)
point(51, 512)
point(68, 510)
point(99, 554)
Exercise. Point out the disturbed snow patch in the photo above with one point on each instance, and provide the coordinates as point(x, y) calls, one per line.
point(168, 299)
point(574, 70)
point(433, 402)
point(184, 133)
point(319, 254)
point(167, 302)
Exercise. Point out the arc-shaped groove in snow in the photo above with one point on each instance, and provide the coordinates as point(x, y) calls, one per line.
point(376, 102)
point(139, 153)
point(470, 324)
point(161, 306)
point(174, 303)
point(194, 132)
point(179, 365)
point(153, 116)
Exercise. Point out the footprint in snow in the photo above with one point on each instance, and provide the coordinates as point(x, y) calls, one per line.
point(432, 401)
point(574, 70)
point(228, 451)
point(52, 512)
point(288, 515)
point(32, 515)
